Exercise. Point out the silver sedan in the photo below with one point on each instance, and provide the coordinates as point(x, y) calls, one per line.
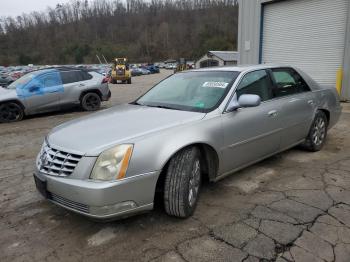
point(197, 125)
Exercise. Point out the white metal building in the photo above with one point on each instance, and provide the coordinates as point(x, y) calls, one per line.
point(313, 35)
point(218, 58)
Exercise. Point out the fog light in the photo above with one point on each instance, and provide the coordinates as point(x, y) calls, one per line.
point(113, 209)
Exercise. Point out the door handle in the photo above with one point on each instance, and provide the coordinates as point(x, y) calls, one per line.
point(272, 113)
point(310, 102)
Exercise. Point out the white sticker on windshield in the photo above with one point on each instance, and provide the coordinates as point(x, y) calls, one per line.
point(216, 84)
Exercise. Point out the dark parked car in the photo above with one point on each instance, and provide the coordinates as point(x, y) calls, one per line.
point(153, 69)
point(5, 80)
point(136, 71)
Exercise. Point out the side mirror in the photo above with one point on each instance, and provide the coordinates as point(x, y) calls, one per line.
point(243, 101)
point(249, 100)
point(33, 88)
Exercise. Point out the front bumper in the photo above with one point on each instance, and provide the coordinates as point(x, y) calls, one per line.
point(121, 77)
point(100, 200)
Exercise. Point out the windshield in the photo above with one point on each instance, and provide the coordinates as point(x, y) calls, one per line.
point(192, 91)
point(22, 81)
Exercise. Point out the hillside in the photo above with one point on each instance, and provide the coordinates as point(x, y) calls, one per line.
point(141, 30)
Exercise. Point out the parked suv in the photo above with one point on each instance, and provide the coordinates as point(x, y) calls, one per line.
point(50, 90)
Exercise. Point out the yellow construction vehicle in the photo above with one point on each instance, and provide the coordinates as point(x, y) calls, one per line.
point(181, 65)
point(120, 71)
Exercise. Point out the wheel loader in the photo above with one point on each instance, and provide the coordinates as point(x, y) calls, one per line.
point(120, 71)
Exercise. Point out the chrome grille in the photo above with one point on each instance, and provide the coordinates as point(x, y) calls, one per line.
point(69, 203)
point(57, 163)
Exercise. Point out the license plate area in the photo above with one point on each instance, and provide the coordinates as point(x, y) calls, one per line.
point(41, 186)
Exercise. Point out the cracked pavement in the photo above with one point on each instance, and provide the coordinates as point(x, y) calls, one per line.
point(294, 206)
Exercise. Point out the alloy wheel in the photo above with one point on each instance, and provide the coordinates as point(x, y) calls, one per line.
point(319, 131)
point(9, 112)
point(92, 102)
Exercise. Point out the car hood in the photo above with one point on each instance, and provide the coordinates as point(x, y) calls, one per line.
point(92, 134)
point(7, 93)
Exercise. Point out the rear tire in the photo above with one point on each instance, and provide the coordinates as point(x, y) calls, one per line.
point(317, 134)
point(91, 102)
point(182, 183)
point(129, 81)
point(11, 112)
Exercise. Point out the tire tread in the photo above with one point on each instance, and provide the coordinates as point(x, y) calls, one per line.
point(175, 182)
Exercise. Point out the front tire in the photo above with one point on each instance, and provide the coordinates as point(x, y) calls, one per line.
point(182, 183)
point(129, 81)
point(91, 102)
point(317, 134)
point(11, 112)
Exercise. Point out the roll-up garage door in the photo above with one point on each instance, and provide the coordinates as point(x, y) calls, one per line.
point(309, 34)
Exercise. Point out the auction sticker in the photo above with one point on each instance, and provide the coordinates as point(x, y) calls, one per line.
point(215, 84)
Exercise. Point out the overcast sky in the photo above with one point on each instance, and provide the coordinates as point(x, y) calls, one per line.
point(17, 7)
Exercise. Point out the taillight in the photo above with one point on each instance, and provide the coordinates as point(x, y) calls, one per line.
point(105, 80)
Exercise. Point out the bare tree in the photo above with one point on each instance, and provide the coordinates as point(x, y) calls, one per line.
point(141, 30)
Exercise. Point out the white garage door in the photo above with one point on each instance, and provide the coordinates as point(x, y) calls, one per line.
point(309, 34)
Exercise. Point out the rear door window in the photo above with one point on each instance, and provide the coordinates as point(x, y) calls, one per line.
point(85, 75)
point(71, 76)
point(288, 82)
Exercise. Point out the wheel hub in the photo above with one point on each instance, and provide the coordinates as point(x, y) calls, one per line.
point(9, 113)
point(319, 131)
point(91, 102)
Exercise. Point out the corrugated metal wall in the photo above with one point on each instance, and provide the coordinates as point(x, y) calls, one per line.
point(307, 34)
point(248, 31)
point(250, 36)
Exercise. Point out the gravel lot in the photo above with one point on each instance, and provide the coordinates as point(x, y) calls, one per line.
point(292, 207)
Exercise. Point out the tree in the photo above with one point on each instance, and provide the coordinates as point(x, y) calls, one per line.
point(138, 29)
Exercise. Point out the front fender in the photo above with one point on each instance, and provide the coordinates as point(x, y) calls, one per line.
point(151, 153)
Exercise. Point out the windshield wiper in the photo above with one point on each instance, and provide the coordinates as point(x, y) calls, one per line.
point(157, 106)
point(165, 107)
point(136, 103)
point(162, 106)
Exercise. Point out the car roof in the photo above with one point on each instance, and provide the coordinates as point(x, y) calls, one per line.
point(246, 68)
point(61, 68)
point(40, 71)
point(239, 68)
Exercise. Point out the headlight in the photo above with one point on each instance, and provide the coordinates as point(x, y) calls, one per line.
point(112, 163)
